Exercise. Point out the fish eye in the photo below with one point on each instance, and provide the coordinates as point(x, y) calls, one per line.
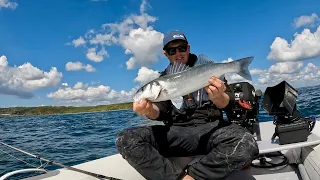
point(142, 88)
point(156, 83)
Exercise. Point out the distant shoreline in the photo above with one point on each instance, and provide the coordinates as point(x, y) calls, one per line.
point(89, 112)
point(54, 110)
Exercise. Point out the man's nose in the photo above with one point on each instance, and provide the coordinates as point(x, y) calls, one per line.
point(178, 52)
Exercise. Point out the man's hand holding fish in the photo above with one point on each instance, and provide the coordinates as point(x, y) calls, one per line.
point(146, 108)
point(216, 92)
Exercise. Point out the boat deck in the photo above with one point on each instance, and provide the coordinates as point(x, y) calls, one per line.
point(123, 170)
point(116, 166)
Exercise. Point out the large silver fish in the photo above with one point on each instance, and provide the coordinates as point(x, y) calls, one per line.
point(184, 80)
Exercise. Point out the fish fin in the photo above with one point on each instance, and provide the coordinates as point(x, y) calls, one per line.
point(222, 77)
point(202, 59)
point(158, 88)
point(178, 67)
point(243, 64)
point(177, 102)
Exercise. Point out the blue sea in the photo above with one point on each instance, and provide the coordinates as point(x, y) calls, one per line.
point(71, 139)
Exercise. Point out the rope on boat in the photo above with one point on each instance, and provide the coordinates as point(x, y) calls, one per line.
point(99, 176)
point(18, 158)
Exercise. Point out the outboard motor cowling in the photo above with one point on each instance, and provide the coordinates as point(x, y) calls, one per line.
point(245, 106)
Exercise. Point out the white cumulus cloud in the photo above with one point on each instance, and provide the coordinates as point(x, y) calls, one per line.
point(22, 80)
point(77, 92)
point(80, 85)
point(228, 60)
point(233, 78)
point(76, 66)
point(83, 94)
point(95, 56)
point(257, 71)
point(305, 46)
point(146, 75)
point(306, 20)
point(8, 4)
point(103, 39)
point(145, 51)
point(285, 67)
point(134, 34)
point(78, 42)
point(295, 74)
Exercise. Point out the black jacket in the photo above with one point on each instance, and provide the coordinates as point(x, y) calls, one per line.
point(203, 112)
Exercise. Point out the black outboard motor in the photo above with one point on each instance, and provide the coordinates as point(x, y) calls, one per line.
point(245, 107)
point(280, 101)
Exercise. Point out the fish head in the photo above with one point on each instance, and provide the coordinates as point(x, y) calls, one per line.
point(150, 91)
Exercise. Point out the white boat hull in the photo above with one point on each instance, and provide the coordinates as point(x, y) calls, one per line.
point(116, 166)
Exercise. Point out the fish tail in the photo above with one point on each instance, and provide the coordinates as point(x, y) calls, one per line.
point(243, 67)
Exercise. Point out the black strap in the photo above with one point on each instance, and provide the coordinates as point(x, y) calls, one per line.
point(182, 175)
point(275, 134)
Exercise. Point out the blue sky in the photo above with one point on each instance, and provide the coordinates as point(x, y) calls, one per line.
point(90, 52)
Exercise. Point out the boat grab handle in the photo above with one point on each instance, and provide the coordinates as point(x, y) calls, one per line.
point(21, 171)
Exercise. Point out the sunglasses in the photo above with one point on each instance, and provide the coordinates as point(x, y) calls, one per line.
point(172, 50)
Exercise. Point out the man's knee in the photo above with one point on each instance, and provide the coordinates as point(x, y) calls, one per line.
point(130, 143)
point(246, 146)
point(250, 145)
point(128, 139)
point(122, 140)
point(125, 139)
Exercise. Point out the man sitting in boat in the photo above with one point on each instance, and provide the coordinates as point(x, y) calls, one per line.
point(197, 128)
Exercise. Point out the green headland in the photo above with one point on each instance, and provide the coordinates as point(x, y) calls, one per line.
point(47, 110)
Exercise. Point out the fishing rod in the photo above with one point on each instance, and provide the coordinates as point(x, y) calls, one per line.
point(99, 176)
